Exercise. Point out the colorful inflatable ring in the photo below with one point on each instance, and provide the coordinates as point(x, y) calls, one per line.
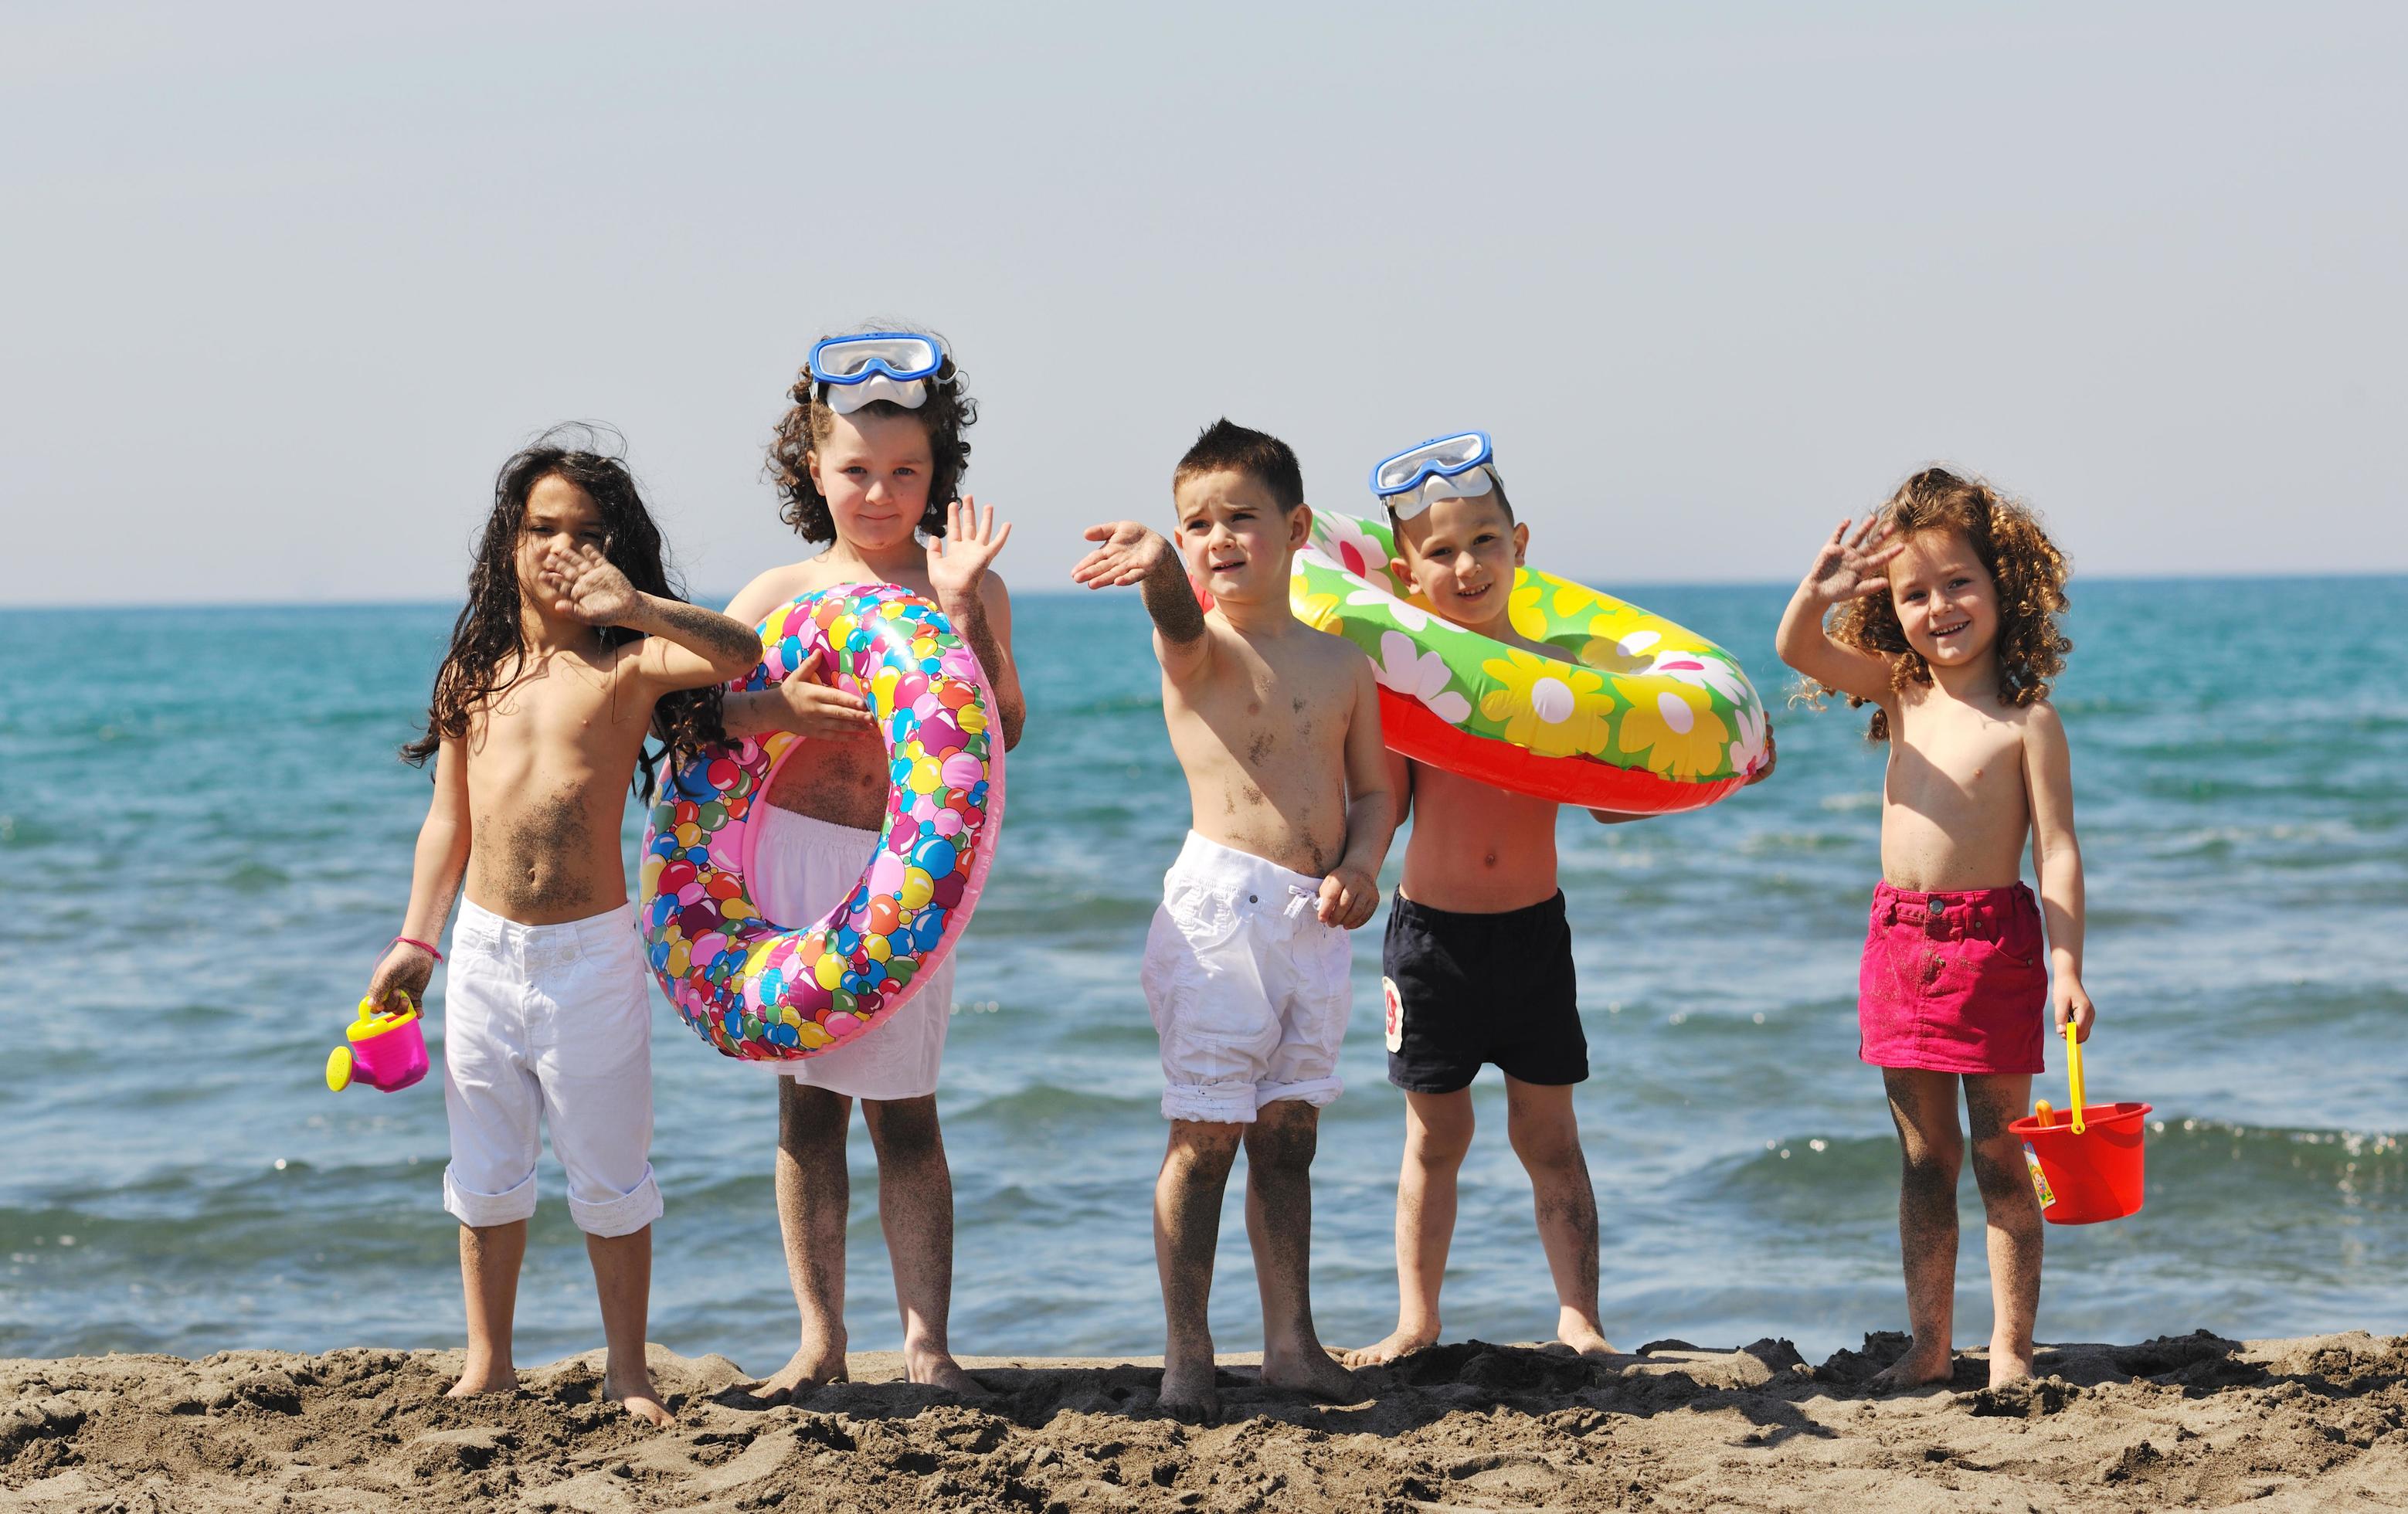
point(768, 992)
point(1638, 715)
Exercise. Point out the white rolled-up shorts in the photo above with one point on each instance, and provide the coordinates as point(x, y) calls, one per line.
point(802, 868)
point(549, 1026)
point(1248, 988)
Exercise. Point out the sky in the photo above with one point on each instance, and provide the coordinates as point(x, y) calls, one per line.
point(284, 285)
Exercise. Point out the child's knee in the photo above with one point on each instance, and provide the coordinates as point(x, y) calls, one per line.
point(1933, 1161)
point(2004, 1179)
point(1204, 1146)
point(1546, 1142)
point(1284, 1134)
point(1934, 1144)
point(811, 1117)
point(1438, 1129)
point(904, 1130)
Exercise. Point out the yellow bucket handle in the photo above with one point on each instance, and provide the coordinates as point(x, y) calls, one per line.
point(2074, 1072)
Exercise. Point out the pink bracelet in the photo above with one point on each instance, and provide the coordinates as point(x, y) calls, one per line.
point(409, 940)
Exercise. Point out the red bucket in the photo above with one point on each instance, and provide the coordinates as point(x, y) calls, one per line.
point(2095, 1175)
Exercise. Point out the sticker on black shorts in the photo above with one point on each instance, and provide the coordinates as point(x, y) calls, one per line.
point(1393, 1019)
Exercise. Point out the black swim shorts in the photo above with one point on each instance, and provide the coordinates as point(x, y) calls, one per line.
point(1463, 989)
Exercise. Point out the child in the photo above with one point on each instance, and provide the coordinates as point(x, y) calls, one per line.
point(1950, 632)
point(867, 462)
point(1277, 727)
point(1478, 960)
point(571, 649)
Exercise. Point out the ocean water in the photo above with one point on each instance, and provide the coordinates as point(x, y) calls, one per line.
point(204, 840)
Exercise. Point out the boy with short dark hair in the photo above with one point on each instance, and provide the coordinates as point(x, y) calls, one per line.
point(1277, 728)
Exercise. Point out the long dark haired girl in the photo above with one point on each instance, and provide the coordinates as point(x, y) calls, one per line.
point(489, 639)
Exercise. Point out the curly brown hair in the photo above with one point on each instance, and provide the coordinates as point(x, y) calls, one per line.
point(489, 631)
point(948, 412)
point(2029, 569)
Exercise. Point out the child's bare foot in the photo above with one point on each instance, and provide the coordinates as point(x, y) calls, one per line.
point(1315, 1372)
point(938, 1369)
point(1921, 1365)
point(2008, 1364)
point(485, 1378)
point(1397, 1345)
point(1188, 1390)
point(1582, 1336)
point(809, 1367)
point(637, 1396)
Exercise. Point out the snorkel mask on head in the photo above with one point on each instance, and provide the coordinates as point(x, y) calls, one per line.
point(893, 365)
point(1459, 466)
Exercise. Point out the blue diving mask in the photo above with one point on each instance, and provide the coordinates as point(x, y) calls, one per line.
point(1459, 466)
point(891, 365)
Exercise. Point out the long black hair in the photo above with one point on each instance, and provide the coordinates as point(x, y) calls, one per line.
point(490, 631)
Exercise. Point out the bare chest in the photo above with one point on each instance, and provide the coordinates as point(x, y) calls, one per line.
point(558, 727)
point(1953, 764)
point(1273, 719)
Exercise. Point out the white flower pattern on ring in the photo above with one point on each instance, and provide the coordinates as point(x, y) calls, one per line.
point(1348, 545)
point(1699, 669)
point(1420, 676)
point(1411, 616)
point(1751, 724)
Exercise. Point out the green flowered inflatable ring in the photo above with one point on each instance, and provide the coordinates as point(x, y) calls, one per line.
point(1637, 715)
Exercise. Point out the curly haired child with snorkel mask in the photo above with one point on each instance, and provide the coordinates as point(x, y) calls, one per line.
point(1942, 613)
point(867, 459)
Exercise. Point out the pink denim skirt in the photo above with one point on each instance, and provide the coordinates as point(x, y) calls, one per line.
point(1954, 982)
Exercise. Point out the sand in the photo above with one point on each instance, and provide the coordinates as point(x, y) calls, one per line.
point(2194, 1422)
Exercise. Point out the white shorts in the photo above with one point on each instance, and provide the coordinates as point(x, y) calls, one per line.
point(803, 868)
point(549, 1023)
point(1248, 988)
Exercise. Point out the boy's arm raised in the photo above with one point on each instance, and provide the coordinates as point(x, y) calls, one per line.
point(1352, 890)
point(1848, 567)
point(2057, 861)
point(685, 646)
point(1129, 554)
point(434, 881)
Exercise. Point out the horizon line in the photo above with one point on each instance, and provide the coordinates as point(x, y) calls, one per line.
point(1070, 591)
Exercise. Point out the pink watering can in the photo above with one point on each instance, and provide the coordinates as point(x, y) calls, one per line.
point(383, 1050)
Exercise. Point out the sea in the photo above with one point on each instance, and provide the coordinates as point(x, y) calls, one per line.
point(206, 840)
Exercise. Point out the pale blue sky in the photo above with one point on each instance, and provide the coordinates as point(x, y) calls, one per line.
point(284, 287)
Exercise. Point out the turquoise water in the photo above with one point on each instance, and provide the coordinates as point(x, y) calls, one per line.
point(205, 840)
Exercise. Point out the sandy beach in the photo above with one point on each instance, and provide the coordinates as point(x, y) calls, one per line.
point(2199, 1421)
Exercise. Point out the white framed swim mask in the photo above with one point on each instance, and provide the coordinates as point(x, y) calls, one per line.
point(893, 365)
point(1459, 466)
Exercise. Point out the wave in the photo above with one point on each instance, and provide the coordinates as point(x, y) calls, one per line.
point(1043, 1104)
point(2243, 1170)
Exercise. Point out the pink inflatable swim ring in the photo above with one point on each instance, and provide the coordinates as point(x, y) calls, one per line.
point(764, 992)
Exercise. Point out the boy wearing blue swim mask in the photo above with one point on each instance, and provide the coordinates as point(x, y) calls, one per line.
point(1478, 923)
